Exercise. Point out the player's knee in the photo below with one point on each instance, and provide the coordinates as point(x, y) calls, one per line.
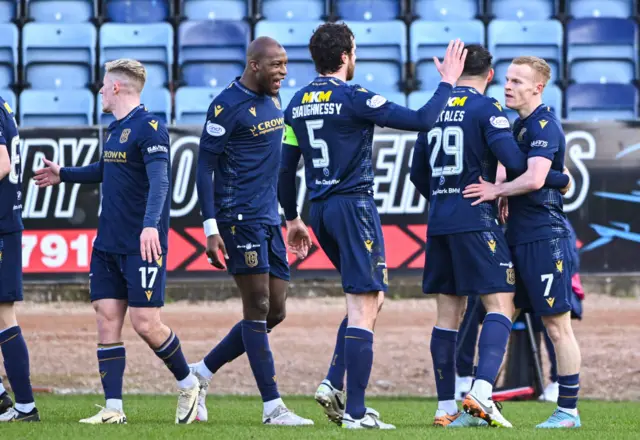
point(380, 300)
point(256, 308)
point(558, 328)
point(275, 317)
point(7, 316)
point(145, 325)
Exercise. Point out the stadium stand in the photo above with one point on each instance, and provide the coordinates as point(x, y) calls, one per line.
point(48, 108)
point(214, 9)
point(602, 102)
point(431, 38)
point(139, 11)
point(523, 9)
point(151, 44)
point(293, 9)
point(509, 39)
point(9, 97)
point(602, 50)
point(156, 99)
point(59, 55)
point(552, 96)
point(9, 38)
point(447, 10)
point(211, 54)
point(192, 104)
point(190, 44)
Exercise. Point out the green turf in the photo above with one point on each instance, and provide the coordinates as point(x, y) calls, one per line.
point(151, 417)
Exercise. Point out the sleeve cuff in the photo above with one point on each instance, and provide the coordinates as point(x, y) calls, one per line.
point(210, 227)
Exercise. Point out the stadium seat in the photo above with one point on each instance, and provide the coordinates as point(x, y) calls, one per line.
point(192, 104)
point(293, 9)
point(55, 11)
point(138, 11)
point(600, 8)
point(447, 10)
point(602, 50)
point(552, 96)
point(8, 54)
point(368, 10)
point(420, 98)
point(8, 10)
point(294, 36)
point(9, 97)
point(286, 95)
point(381, 54)
point(59, 56)
point(151, 44)
point(602, 102)
point(510, 39)
point(523, 9)
point(396, 97)
point(212, 53)
point(214, 9)
point(431, 38)
point(49, 108)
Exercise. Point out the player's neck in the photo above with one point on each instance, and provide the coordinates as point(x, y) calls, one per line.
point(250, 84)
point(340, 74)
point(525, 111)
point(480, 86)
point(126, 106)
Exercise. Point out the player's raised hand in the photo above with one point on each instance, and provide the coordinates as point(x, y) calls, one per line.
point(453, 64)
point(48, 176)
point(484, 191)
point(298, 238)
point(215, 246)
point(150, 248)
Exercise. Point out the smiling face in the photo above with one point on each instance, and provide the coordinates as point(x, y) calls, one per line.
point(271, 70)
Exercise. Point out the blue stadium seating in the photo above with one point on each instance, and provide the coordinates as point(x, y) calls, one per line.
point(602, 102)
point(294, 36)
point(602, 50)
point(600, 8)
point(151, 44)
point(192, 104)
point(381, 54)
point(368, 10)
point(286, 95)
point(431, 38)
point(524, 9)
point(419, 98)
point(55, 11)
point(510, 39)
point(551, 96)
point(448, 10)
point(8, 54)
point(293, 9)
point(396, 97)
point(138, 11)
point(59, 56)
point(157, 100)
point(48, 108)
point(9, 97)
point(214, 9)
point(212, 53)
point(8, 10)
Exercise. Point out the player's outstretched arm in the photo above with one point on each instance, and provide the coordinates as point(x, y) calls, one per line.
point(53, 174)
point(420, 173)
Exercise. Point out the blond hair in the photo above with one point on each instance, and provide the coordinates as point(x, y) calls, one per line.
point(540, 67)
point(131, 69)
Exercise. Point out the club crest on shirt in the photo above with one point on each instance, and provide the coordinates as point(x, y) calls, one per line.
point(276, 102)
point(511, 276)
point(521, 134)
point(124, 137)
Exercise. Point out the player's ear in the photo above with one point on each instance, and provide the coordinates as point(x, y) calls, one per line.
point(254, 66)
point(490, 75)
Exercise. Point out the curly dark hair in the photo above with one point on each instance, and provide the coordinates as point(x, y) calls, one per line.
point(327, 45)
point(478, 61)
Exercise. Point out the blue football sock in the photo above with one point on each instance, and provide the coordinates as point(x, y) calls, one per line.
point(16, 364)
point(553, 376)
point(111, 363)
point(492, 346)
point(569, 386)
point(359, 360)
point(443, 354)
point(337, 368)
point(256, 343)
point(171, 354)
point(227, 350)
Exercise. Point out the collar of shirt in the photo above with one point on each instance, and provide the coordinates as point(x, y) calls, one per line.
point(114, 124)
point(535, 112)
point(239, 85)
point(469, 88)
point(329, 78)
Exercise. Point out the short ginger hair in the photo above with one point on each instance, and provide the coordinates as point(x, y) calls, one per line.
point(540, 67)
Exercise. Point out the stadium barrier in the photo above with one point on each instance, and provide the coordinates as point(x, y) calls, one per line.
point(61, 222)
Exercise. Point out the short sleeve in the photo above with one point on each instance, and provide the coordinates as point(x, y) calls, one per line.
point(371, 106)
point(546, 142)
point(218, 127)
point(154, 142)
point(494, 122)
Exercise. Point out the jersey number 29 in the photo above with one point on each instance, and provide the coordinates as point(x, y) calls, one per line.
point(451, 140)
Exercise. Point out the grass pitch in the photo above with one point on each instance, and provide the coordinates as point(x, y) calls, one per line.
point(233, 417)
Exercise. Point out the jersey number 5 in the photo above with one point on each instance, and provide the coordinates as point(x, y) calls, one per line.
point(451, 140)
point(316, 124)
point(14, 174)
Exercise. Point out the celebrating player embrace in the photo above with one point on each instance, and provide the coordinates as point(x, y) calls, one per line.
point(128, 264)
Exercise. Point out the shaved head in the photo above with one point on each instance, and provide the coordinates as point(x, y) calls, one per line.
point(266, 66)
